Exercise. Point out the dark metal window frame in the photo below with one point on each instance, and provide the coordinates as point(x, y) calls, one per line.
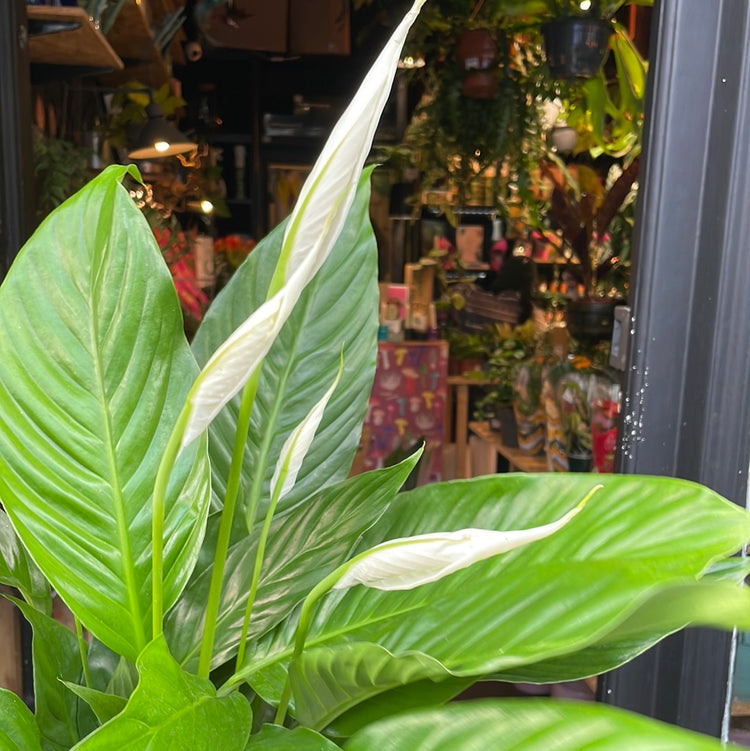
point(16, 167)
point(687, 403)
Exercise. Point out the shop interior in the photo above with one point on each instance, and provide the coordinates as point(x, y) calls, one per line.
point(504, 198)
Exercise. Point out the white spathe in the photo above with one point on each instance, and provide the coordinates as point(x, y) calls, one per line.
point(409, 562)
point(313, 228)
point(297, 445)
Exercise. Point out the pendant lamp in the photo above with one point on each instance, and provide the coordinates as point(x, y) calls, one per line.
point(159, 137)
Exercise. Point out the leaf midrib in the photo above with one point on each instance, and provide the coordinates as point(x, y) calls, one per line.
point(114, 475)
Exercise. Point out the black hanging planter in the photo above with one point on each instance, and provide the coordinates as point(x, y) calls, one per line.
point(576, 46)
point(591, 320)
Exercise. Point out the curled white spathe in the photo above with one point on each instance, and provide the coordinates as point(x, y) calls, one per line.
point(312, 230)
point(409, 562)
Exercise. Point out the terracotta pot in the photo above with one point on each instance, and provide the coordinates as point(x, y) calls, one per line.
point(575, 46)
point(476, 52)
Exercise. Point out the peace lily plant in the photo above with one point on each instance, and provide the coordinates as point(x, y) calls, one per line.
point(232, 588)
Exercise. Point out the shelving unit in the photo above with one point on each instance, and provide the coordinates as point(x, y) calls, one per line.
point(66, 36)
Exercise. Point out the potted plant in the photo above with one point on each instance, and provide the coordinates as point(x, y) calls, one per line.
point(583, 208)
point(573, 397)
point(507, 348)
point(237, 590)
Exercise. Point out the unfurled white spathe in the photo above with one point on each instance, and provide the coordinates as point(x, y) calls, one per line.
point(313, 228)
point(408, 562)
point(337, 170)
point(297, 445)
point(233, 363)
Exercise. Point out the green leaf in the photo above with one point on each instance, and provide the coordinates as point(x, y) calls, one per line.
point(351, 673)
point(276, 738)
point(105, 706)
point(19, 571)
point(18, 729)
point(705, 603)
point(171, 710)
point(305, 545)
point(62, 718)
point(417, 695)
point(94, 369)
point(637, 538)
point(338, 306)
point(526, 725)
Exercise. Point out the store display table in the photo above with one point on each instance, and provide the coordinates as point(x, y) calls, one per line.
point(517, 460)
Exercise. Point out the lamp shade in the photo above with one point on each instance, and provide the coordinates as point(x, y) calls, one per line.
point(159, 138)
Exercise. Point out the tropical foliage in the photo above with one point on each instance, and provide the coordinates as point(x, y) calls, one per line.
point(191, 506)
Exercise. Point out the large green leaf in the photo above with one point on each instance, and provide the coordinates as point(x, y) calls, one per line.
point(527, 725)
point(636, 538)
point(171, 710)
point(276, 738)
point(19, 571)
point(94, 369)
point(423, 693)
point(706, 603)
point(304, 545)
point(339, 306)
point(61, 716)
point(18, 729)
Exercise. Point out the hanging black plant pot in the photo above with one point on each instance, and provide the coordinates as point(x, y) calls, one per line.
point(591, 320)
point(576, 46)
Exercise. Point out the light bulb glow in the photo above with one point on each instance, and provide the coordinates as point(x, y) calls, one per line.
point(161, 146)
point(585, 4)
point(206, 206)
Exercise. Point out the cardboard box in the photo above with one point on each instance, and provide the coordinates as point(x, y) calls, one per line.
point(319, 27)
point(250, 25)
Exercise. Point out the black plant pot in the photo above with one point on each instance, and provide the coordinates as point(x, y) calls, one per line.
point(591, 320)
point(576, 47)
point(579, 463)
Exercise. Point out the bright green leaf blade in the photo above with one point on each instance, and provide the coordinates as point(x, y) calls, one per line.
point(633, 66)
point(94, 368)
point(635, 537)
point(62, 718)
point(527, 725)
point(171, 710)
point(18, 728)
point(338, 306)
point(276, 738)
point(19, 571)
point(304, 545)
point(347, 671)
point(702, 603)
point(423, 693)
point(105, 706)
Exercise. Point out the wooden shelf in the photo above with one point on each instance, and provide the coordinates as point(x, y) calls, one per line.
point(132, 37)
point(517, 460)
point(131, 34)
point(83, 45)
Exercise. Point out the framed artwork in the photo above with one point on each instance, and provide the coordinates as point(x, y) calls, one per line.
point(283, 188)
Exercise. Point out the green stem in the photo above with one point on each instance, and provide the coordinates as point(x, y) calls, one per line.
point(82, 647)
point(225, 525)
point(259, 555)
point(303, 627)
point(157, 520)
